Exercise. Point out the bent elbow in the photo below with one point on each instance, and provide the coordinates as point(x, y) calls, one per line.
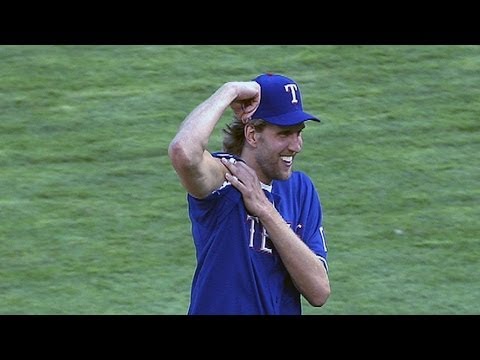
point(178, 155)
point(320, 297)
point(175, 151)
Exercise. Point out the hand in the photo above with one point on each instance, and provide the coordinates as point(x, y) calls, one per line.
point(247, 100)
point(245, 180)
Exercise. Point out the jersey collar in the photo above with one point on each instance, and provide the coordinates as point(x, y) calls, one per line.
point(266, 187)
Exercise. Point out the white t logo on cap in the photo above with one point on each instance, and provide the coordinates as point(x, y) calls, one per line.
point(292, 88)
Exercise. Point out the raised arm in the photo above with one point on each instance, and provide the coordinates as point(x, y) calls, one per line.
point(200, 173)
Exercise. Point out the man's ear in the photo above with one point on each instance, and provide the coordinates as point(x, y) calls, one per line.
point(250, 135)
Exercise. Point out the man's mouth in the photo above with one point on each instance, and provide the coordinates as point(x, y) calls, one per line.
point(287, 160)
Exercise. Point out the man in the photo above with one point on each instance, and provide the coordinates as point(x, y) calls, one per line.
point(256, 223)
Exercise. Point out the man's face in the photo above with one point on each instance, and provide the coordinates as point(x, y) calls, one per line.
point(277, 147)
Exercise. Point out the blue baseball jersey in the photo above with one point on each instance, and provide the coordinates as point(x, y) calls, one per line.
point(238, 270)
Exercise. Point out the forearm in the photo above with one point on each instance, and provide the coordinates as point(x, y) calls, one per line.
point(198, 126)
point(307, 271)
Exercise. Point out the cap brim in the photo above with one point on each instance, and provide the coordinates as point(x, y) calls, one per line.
point(290, 119)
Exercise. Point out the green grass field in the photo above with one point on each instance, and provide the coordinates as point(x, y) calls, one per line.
point(94, 220)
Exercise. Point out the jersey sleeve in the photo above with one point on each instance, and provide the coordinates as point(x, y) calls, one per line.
point(313, 233)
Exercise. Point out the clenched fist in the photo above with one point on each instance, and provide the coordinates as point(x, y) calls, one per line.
point(247, 100)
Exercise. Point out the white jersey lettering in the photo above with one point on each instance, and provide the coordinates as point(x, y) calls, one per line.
point(254, 225)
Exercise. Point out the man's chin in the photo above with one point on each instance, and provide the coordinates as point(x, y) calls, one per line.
point(283, 176)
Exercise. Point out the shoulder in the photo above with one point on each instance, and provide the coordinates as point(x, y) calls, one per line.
point(224, 155)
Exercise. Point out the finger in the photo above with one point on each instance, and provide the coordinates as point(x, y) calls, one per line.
point(232, 178)
point(228, 162)
point(236, 183)
point(248, 112)
point(250, 108)
point(241, 167)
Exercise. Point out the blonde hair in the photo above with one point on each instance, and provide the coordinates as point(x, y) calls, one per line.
point(234, 138)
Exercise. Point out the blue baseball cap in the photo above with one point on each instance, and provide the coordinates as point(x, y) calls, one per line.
point(280, 101)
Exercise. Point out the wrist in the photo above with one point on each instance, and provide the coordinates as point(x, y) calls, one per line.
point(229, 91)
